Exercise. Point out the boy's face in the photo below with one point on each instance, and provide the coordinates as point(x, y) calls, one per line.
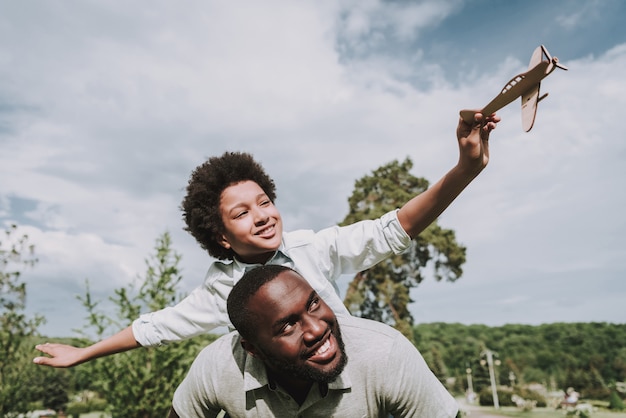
point(252, 223)
point(297, 335)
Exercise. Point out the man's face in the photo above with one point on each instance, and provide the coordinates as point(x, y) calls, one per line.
point(252, 223)
point(298, 335)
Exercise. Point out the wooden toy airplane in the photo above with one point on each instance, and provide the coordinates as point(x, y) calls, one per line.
point(525, 85)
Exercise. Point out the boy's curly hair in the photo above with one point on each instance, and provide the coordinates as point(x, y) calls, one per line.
point(201, 204)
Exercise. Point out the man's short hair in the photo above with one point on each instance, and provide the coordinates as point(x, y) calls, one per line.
point(201, 204)
point(240, 316)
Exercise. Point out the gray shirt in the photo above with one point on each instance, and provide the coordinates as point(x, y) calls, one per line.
point(385, 375)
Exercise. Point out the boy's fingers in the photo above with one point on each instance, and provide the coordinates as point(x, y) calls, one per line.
point(44, 348)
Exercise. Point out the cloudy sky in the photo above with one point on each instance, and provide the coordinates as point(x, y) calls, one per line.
point(107, 107)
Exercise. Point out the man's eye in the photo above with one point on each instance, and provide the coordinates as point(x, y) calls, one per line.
point(266, 202)
point(315, 302)
point(287, 328)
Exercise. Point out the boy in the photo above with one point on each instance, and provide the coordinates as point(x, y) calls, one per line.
point(229, 209)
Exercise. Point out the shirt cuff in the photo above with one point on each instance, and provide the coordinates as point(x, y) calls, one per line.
point(396, 236)
point(141, 333)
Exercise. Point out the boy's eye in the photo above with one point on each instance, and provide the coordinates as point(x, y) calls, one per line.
point(266, 202)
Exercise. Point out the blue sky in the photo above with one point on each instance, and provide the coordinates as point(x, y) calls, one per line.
point(106, 108)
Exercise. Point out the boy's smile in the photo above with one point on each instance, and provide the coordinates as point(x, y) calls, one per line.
point(253, 226)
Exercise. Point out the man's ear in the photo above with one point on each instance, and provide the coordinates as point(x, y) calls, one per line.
point(251, 349)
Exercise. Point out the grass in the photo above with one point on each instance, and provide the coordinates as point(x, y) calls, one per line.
point(600, 411)
point(545, 413)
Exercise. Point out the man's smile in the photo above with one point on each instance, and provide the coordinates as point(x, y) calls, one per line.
point(325, 351)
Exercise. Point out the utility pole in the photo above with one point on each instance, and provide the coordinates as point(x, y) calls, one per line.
point(470, 385)
point(492, 375)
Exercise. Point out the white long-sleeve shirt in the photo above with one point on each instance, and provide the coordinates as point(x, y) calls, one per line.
point(320, 257)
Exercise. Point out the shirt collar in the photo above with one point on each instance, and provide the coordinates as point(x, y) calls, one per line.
point(254, 374)
point(279, 258)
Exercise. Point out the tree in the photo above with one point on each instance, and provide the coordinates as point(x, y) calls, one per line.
point(435, 362)
point(141, 383)
point(16, 253)
point(382, 293)
point(52, 392)
point(557, 355)
point(615, 402)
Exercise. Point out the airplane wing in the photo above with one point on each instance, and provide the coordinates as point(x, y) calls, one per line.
point(531, 97)
point(529, 107)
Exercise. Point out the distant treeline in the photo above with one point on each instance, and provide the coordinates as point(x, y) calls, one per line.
point(589, 357)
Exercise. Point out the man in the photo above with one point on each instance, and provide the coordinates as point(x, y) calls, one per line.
point(292, 356)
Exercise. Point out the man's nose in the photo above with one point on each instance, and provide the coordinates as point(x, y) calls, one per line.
point(314, 329)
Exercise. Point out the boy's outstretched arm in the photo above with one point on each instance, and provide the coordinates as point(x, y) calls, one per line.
point(62, 355)
point(423, 209)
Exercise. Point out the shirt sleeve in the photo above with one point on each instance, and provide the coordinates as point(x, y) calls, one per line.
point(411, 389)
point(195, 396)
point(203, 310)
point(359, 246)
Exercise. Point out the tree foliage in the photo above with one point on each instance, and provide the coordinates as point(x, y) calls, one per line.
point(141, 383)
point(382, 293)
point(16, 254)
point(585, 356)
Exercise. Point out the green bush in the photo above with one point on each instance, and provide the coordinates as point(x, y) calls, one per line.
point(97, 404)
point(615, 402)
point(74, 409)
point(485, 397)
point(531, 395)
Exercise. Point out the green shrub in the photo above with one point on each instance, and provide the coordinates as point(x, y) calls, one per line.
point(485, 397)
point(531, 395)
point(74, 409)
point(615, 402)
point(97, 404)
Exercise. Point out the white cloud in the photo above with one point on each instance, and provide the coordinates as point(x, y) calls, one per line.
point(585, 14)
point(105, 109)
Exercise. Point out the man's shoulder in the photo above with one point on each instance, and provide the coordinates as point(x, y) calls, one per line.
point(374, 348)
point(355, 326)
point(227, 343)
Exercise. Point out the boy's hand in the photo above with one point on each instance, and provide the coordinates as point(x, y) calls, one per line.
point(61, 355)
point(474, 142)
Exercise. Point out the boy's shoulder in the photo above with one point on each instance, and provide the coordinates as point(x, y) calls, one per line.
point(298, 238)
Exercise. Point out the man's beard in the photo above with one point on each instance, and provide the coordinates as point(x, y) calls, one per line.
point(307, 372)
